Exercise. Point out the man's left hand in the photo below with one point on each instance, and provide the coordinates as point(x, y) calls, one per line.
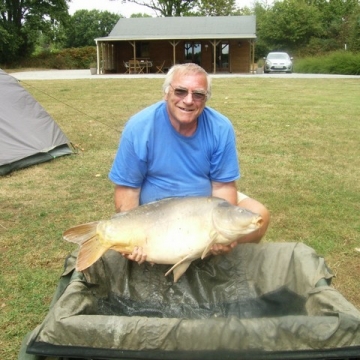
point(218, 249)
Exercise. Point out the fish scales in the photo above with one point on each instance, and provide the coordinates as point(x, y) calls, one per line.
point(172, 231)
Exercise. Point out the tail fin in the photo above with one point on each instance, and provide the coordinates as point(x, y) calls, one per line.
point(91, 248)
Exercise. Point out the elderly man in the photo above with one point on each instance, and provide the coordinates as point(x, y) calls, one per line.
point(180, 147)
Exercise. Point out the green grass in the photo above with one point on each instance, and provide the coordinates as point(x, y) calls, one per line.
point(298, 142)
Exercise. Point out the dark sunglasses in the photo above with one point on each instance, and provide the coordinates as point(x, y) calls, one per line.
point(196, 95)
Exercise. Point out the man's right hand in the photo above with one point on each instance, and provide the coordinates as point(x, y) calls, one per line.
point(137, 255)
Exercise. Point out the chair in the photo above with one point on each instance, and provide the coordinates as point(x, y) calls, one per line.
point(159, 68)
point(135, 67)
point(127, 68)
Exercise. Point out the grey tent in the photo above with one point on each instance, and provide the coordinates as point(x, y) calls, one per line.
point(28, 134)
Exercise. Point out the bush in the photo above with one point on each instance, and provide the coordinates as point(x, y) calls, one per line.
point(339, 62)
point(72, 58)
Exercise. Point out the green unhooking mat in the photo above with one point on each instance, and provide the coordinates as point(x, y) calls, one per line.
point(261, 301)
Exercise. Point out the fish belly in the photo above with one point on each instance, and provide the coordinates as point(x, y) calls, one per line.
point(165, 239)
point(165, 253)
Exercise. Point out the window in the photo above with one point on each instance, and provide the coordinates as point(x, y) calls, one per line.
point(142, 49)
point(193, 52)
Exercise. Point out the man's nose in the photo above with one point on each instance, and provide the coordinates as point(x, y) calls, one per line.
point(188, 98)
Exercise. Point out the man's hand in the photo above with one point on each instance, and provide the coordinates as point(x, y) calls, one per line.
point(218, 249)
point(137, 255)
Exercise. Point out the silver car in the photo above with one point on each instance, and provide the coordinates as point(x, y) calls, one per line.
point(278, 62)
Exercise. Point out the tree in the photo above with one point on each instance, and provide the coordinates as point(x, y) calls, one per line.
point(289, 25)
point(354, 33)
point(167, 7)
point(84, 26)
point(21, 21)
point(217, 8)
point(261, 48)
point(139, 15)
point(337, 21)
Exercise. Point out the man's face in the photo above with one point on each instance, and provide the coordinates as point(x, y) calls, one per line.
point(184, 109)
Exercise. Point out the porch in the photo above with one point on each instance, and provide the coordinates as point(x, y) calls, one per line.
point(231, 56)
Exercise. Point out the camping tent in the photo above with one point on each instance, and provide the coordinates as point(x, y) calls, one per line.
point(28, 134)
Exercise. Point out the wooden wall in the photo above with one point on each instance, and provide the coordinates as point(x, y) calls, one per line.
point(239, 56)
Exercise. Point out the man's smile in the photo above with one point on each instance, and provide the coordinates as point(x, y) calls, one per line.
point(185, 109)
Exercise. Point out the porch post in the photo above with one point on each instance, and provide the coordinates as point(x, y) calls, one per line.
point(97, 58)
point(174, 44)
point(252, 54)
point(214, 44)
point(132, 43)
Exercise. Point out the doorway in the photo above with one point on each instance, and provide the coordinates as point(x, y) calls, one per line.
point(222, 56)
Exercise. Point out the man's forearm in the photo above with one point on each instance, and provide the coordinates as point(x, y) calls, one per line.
point(126, 198)
point(226, 191)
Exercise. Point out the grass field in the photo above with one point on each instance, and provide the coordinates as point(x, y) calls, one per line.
point(298, 142)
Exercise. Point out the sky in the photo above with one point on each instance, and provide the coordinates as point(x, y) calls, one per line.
point(122, 8)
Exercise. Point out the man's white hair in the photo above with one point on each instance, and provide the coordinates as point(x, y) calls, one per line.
point(186, 69)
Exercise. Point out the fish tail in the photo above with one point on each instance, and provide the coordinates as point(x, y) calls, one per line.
point(81, 233)
point(91, 248)
point(90, 251)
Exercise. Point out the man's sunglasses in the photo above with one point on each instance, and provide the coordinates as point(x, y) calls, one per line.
point(196, 95)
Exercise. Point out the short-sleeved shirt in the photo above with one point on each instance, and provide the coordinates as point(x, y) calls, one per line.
point(152, 155)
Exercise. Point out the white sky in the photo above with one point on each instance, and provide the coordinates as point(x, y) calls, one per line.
point(122, 8)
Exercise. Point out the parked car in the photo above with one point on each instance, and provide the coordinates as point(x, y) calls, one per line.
point(278, 62)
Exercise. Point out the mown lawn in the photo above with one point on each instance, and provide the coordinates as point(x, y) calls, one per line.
point(298, 142)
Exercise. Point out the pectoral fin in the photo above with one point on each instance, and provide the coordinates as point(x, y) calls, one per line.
point(207, 250)
point(180, 267)
point(212, 241)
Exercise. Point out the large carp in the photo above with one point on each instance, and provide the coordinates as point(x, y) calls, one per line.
point(170, 231)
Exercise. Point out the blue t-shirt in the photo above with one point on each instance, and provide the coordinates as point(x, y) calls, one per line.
point(154, 156)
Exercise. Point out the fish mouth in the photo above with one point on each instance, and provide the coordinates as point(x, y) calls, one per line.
point(259, 221)
point(254, 225)
point(248, 226)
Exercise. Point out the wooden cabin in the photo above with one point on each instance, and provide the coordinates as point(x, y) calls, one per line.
point(153, 45)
